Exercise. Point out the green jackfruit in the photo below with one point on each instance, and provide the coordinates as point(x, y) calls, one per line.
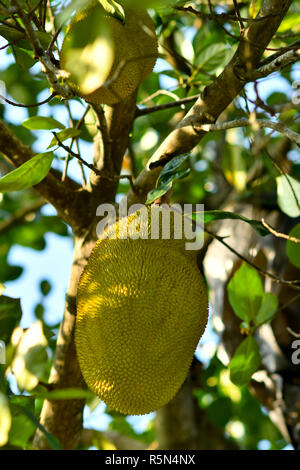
point(133, 47)
point(141, 309)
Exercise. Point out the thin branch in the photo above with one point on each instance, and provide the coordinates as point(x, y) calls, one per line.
point(225, 17)
point(285, 175)
point(49, 68)
point(217, 96)
point(161, 107)
point(258, 123)
point(238, 16)
point(101, 173)
point(293, 333)
point(157, 93)
point(279, 52)
point(32, 105)
point(64, 197)
point(278, 234)
point(295, 284)
point(214, 15)
point(16, 26)
point(284, 60)
point(74, 139)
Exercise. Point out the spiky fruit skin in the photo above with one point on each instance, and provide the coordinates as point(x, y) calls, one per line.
point(135, 52)
point(141, 309)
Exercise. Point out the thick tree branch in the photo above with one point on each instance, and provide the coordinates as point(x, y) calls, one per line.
point(67, 201)
point(110, 146)
point(218, 95)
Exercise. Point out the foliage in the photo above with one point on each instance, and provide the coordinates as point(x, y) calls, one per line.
point(246, 163)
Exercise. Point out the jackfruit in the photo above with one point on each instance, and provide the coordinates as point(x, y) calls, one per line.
point(133, 46)
point(141, 309)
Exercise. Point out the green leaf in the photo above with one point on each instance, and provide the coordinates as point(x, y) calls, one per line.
point(64, 135)
point(65, 394)
point(209, 216)
point(245, 292)
point(156, 193)
point(172, 165)
point(12, 35)
point(10, 316)
point(267, 309)
point(52, 440)
point(254, 7)
point(245, 361)
point(5, 419)
point(45, 287)
point(30, 360)
point(288, 195)
point(167, 177)
point(114, 9)
point(42, 123)
point(211, 57)
point(23, 58)
point(289, 22)
point(27, 175)
point(220, 411)
point(22, 427)
point(292, 248)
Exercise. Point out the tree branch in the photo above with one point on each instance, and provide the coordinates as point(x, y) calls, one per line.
point(110, 147)
point(63, 418)
point(63, 196)
point(49, 67)
point(284, 60)
point(218, 95)
point(257, 123)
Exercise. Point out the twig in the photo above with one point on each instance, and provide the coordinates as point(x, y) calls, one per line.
point(295, 284)
point(221, 16)
point(101, 173)
point(161, 107)
point(13, 26)
point(293, 333)
point(214, 15)
point(279, 52)
point(260, 123)
point(278, 234)
point(285, 175)
point(157, 93)
point(74, 139)
point(278, 63)
point(54, 38)
point(238, 16)
point(33, 105)
point(49, 68)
